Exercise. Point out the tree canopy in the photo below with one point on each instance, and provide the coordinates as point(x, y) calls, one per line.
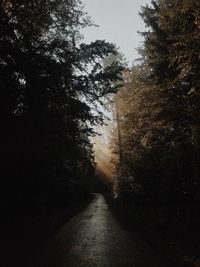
point(159, 107)
point(49, 80)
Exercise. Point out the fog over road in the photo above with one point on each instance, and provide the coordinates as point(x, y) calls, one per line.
point(94, 238)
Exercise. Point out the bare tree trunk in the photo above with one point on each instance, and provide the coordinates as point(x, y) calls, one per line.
point(116, 186)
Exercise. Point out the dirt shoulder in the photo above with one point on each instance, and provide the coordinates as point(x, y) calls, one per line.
point(24, 236)
point(173, 231)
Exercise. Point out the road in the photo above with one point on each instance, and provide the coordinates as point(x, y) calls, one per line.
point(94, 238)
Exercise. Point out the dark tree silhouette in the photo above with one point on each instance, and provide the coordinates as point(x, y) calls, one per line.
point(47, 91)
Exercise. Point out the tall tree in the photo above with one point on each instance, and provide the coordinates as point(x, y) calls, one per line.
point(46, 91)
point(163, 132)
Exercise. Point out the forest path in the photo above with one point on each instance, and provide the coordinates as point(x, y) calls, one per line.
point(94, 238)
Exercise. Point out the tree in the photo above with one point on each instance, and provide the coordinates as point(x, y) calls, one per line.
point(47, 91)
point(162, 152)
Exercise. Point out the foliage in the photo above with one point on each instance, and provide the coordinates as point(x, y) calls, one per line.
point(159, 118)
point(46, 91)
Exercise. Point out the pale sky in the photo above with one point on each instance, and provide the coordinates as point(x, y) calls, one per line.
point(118, 22)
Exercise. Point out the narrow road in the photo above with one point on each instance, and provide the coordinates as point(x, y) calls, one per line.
point(94, 238)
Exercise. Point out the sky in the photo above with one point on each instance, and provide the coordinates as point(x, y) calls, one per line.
point(118, 22)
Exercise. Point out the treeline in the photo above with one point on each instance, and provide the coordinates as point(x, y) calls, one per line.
point(159, 108)
point(49, 84)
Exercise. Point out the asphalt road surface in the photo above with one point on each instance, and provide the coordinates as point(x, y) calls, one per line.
point(94, 238)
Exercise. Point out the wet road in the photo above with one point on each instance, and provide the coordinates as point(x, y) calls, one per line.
point(94, 238)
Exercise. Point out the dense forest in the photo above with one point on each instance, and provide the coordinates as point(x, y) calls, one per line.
point(51, 86)
point(158, 108)
point(54, 89)
point(157, 134)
